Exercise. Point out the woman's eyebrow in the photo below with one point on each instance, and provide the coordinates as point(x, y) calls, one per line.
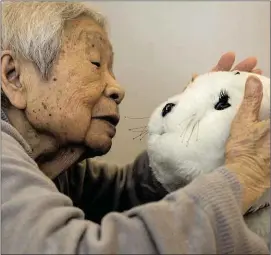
point(111, 58)
point(111, 54)
point(93, 37)
point(90, 37)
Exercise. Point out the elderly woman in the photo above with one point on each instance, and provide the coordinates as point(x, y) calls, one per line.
point(59, 107)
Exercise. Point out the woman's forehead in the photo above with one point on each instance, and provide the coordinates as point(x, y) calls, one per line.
point(91, 37)
point(88, 32)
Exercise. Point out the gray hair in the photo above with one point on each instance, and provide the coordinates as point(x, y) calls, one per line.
point(33, 30)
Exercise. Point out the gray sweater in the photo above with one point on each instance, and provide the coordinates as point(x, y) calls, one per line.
point(204, 217)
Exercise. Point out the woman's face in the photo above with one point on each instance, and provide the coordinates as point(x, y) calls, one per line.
point(79, 102)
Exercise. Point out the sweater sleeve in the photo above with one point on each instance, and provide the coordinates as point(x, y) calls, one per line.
point(105, 188)
point(203, 217)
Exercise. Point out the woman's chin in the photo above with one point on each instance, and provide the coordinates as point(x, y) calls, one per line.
point(98, 146)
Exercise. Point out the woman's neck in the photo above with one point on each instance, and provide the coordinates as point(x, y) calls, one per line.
point(46, 151)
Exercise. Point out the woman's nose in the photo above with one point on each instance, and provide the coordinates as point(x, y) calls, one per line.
point(115, 92)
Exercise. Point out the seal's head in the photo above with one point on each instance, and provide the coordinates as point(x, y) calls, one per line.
point(188, 132)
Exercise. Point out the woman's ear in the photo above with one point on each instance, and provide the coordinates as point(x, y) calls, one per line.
point(11, 85)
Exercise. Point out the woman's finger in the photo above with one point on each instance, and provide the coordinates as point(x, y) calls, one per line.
point(250, 107)
point(257, 71)
point(225, 63)
point(246, 65)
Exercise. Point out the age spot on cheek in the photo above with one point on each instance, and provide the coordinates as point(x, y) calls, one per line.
point(62, 52)
point(44, 105)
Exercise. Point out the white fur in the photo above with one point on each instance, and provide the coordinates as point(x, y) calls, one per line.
point(190, 140)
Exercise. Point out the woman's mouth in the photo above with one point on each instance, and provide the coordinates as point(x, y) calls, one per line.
point(111, 121)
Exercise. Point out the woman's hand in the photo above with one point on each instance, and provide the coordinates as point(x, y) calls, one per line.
point(248, 146)
point(226, 62)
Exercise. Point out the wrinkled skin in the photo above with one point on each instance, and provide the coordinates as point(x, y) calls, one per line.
point(58, 116)
point(248, 147)
point(64, 108)
point(77, 91)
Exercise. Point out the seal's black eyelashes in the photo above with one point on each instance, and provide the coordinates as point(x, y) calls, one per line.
point(96, 64)
point(223, 95)
point(223, 101)
point(167, 109)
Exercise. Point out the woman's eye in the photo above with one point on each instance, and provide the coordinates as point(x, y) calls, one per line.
point(96, 64)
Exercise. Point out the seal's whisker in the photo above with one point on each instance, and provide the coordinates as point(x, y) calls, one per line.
point(141, 139)
point(141, 134)
point(135, 118)
point(136, 128)
point(137, 131)
point(197, 132)
point(192, 131)
point(190, 117)
point(185, 130)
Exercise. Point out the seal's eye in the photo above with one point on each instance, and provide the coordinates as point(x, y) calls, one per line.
point(223, 101)
point(167, 109)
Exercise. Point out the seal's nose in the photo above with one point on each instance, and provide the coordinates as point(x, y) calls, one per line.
point(167, 109)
